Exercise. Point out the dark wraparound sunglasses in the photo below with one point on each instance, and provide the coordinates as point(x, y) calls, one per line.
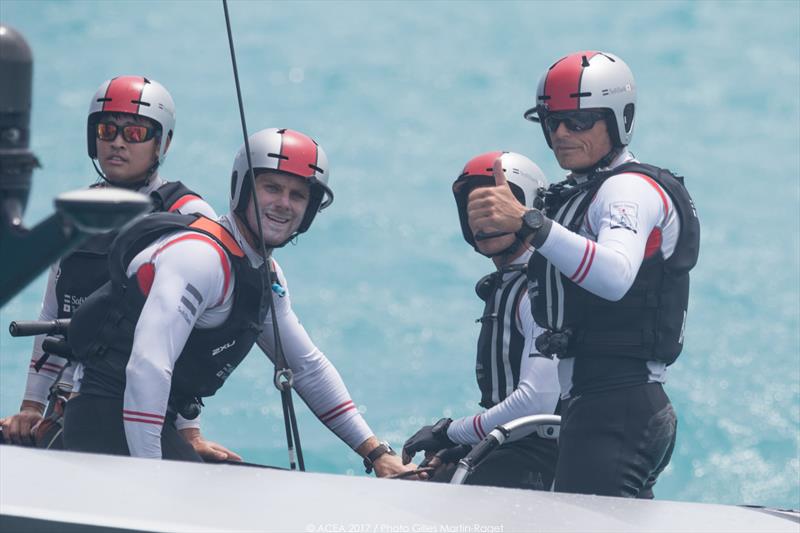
point(575, 121)
point(132, 133)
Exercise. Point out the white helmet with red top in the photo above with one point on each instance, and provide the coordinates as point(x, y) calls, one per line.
point(589, 80)
point(135, 95)
point(525, 179)
point(286, 151)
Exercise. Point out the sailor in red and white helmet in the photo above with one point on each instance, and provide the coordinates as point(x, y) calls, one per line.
point(188, 300)
point(513, 378)
point(614, 246)
point(130, 123)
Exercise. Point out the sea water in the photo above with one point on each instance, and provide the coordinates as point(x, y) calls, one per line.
point(401, 95)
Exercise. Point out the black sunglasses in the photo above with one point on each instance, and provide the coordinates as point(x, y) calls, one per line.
point(575, 121)
point(132, 133)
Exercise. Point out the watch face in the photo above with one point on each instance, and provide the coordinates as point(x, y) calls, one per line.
point(534, 219)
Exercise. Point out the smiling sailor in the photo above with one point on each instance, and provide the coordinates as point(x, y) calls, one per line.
point(186, 302)
point(614, 247)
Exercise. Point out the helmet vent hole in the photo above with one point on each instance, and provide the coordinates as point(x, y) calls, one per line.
point(139, 102)
point(580, 95)
point(627, 116)
point(278, 156)
point(584, 62)
point(315, 168)
point(282, 131)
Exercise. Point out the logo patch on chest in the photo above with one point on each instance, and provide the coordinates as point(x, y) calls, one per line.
point(624, 215)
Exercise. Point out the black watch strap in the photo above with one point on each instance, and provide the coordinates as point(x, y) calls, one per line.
point(380, 450)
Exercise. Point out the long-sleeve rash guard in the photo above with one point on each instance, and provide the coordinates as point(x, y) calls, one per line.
point(629, 219)
point(39, 383)
point(191, 267)
point(537, 390)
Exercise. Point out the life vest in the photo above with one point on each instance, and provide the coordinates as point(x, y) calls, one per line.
point(101, 332)
point(648, 322)
point(501, 343)
point(84, 270)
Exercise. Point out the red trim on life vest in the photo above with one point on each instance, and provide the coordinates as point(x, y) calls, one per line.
point(653, 243)
point(122, 92)
point(221, 234)
point(658, 189)
point(145, 275)
point(182, 201)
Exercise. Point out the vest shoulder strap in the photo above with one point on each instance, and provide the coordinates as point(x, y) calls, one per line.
point(172, 196)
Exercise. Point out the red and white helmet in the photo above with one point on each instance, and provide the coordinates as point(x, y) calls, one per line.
point(135, 95)
point(525, 179)
point(589, 80)
point(286, 151)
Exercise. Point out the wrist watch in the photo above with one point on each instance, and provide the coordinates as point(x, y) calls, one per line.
point(532, 221)
point(378, 451)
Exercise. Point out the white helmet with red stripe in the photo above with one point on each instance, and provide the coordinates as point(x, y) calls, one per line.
point(525, 179)
point(135, 95)
point(589, 80)
point(286, 151)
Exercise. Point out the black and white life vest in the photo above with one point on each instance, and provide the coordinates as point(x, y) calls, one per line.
point(501, 343)
point(648, 322)
point(101, 333)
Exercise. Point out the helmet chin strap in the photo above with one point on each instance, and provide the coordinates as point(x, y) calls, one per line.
point(602, 162)
point(134, 186)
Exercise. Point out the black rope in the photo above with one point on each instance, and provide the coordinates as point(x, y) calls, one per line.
point(283, 374)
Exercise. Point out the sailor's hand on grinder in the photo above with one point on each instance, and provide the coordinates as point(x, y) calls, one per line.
point(428, 438)
point(495, 210)
point(18, 428)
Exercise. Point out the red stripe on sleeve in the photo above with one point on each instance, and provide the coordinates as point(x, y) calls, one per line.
point(589, 264)
point(121, 94)
point(129, 419)
point(182, 201)
point(338, 413)
point(142, 413)
point(585, 255)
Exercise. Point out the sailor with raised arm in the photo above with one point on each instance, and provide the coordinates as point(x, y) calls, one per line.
point(186, 302)
point(514, 379)
point(614, 247)
point(130, 125)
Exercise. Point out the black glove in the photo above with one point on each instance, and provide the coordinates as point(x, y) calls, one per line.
point(429, 438)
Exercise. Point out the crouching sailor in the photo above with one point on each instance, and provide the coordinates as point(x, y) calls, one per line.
point(186, 302)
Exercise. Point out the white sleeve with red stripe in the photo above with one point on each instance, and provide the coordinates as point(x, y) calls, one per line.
point(629, 214)
point(183, 274)
point(536, 393)
point(316, 380)
point(38, 385)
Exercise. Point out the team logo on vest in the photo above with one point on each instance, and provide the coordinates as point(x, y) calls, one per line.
point(72, 303)
point(625, 215)
point(219, 349)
